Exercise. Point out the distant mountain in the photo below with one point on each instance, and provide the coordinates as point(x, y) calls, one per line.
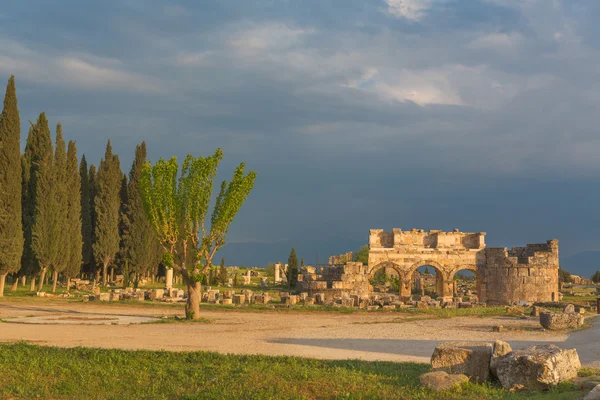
point(582, 264)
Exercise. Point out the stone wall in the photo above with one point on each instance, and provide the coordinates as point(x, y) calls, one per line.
point(522, 274)
point(504, 276)
point(332, 281)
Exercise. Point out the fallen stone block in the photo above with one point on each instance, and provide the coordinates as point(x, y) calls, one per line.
point(537, 367)
point(469, 358)
point(239, 299)
point(227, 301)
point(561, 321)
point(440, 380)
point(103, 297)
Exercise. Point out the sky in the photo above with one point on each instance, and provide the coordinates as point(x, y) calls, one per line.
point(480, 115)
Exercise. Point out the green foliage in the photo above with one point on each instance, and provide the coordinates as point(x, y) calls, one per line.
point(30, 371)
point(292, 271)
point(596, 277)
point(177, 206)
point(59, 188)
point(564, 276)
point(11, 226)
point(140, 244)
point(223, 272)
point(73, 219)
point(45, 228)
point(87, 230)
point(361, 255)
point(107, 204)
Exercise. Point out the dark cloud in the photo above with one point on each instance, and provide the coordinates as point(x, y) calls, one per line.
point(435, 114)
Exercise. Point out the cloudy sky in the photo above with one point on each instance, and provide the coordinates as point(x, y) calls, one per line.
point(436, 114)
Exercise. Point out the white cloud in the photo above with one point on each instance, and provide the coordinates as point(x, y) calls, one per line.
point(272, 36)
point(409, 9)
point(192, 59)
point(497, 41)
point(75, 69)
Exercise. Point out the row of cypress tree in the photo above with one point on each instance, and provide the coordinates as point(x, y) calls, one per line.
point(59, 216)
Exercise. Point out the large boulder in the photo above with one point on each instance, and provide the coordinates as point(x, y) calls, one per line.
point(561, 321)
point(537, 367)
point(501, 348)
point(469, 358)
point(440, 380)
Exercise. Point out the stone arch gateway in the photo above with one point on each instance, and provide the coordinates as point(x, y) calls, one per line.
point(503, 276)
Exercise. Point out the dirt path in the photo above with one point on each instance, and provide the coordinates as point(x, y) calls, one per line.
point(325, 335)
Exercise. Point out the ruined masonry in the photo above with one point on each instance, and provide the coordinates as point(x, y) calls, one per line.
point(503, 276)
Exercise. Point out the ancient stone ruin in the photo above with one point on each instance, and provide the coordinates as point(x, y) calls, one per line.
point(503, 276)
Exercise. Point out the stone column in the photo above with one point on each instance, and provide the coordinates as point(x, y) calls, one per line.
point(277, 278)
point(169, 278)
point(405, 286)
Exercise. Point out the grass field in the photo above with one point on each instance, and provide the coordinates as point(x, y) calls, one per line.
point(29, 371)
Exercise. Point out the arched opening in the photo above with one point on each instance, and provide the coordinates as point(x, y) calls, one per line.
point(385, 278)
point(466, 282)
point(427, 280)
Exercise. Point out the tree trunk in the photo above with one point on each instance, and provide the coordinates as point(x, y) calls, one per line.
point(112, 274)
point(192, 307)
point(104, 273)
point(54, 280)
point(15, 284)
point(32, 284)
point(23, 280)
point(2, 280)
point(98, 275)
point(42, 277)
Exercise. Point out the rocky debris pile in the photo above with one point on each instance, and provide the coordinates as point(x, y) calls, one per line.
point(535, 368)
point(568, 319)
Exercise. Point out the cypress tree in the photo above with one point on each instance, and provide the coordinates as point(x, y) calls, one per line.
point(44, 228)
point(11, 228)
point(223, 272)
point(122, 255)
point(93, 264)
point(107, 204)
point(143, 248)
point(74, 214)
point(292, 268)
point(59, 188)
point(87, 231)
point(29, 265)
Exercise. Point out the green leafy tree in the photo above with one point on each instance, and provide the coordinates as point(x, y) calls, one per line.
point(74, 214)
point(87, 231)
point(142, 247)
point(426, 271)
point(361, 255)
point(11, 225)
point(301, 261)
point(292, 269)
point(596, 277)
point(223, 272)
point(564, 276)
point(107, 204)
point(177, 206)
point(45, 226)
point(59, 190)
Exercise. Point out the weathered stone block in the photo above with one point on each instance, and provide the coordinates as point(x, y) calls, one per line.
point(227, 301)
point(469, 358)
point(561, 321)
point(537, 367)
point(501, 349)
point(239, 299)
point(104, 297)
point(157, 294)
